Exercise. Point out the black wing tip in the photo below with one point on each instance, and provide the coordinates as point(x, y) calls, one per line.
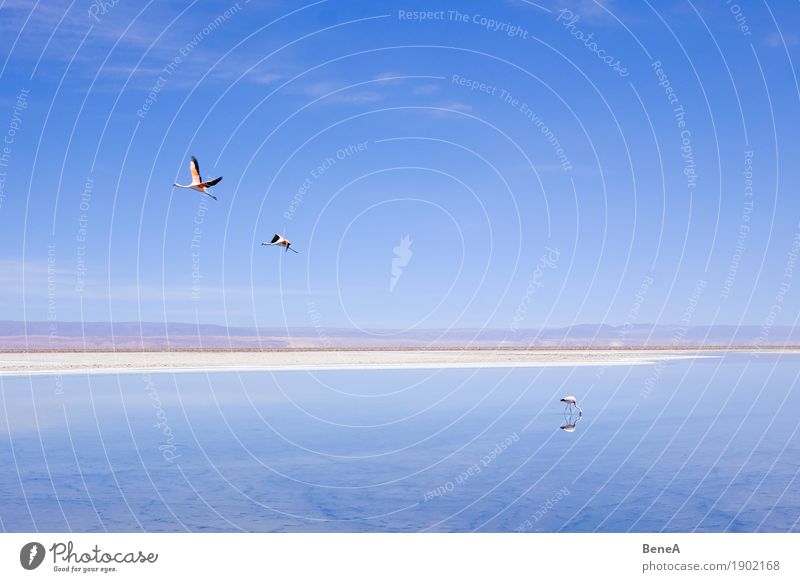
point(275, 239)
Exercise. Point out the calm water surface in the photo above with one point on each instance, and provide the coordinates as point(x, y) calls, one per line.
point(691, 445)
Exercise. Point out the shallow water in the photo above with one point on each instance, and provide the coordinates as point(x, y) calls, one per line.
point(691, 445)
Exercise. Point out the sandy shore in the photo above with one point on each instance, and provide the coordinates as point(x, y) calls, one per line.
point(280, 360)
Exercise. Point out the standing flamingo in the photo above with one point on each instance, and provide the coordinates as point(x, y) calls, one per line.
point(571, 401)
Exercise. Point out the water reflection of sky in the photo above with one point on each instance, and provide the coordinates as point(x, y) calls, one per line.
point(707, 445)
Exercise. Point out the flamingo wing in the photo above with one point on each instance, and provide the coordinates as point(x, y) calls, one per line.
point(194, 166)
point(275, 239)
point(210, 183)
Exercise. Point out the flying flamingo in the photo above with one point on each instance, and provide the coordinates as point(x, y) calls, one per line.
point(279, 241)
point(197, 181)
point(571, 401)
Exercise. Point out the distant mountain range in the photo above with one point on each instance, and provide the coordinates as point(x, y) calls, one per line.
point(150, 335)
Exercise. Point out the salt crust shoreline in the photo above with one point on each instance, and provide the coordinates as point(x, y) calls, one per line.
point(60, 363)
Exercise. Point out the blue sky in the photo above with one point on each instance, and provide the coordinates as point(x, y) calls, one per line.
point(530, 152)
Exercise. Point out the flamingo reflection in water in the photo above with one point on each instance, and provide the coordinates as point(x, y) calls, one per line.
point(571, 419)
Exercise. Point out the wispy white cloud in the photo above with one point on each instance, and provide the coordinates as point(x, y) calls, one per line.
point(390, 77)
point(384, 86)
point(265, 78)
point(426, 89)
point(60, 26)
point(53, 31)
point(456, 106)
point(591, 10)
point(779, 39)
point(332, 92)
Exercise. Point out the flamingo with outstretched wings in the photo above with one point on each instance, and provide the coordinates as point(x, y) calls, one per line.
point(197, 180)
point(279, 241)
